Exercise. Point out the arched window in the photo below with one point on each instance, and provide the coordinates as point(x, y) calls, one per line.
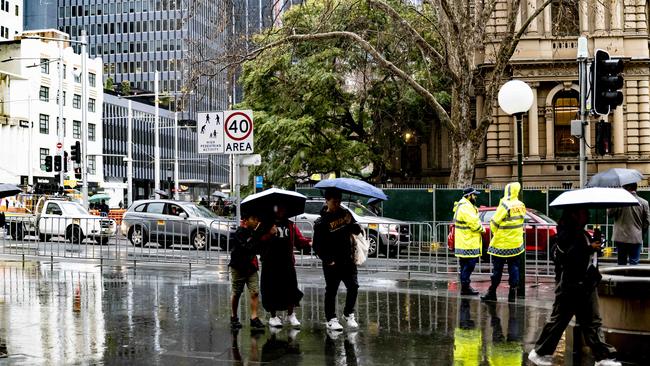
point(565, 108)
point(566, 17)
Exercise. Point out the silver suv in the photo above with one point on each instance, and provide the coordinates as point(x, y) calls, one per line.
point(169, 222)
point(385, 235)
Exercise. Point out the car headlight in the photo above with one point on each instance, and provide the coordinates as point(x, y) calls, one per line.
point(394, 228)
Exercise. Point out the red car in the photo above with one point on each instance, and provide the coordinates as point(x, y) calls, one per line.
point(540, 229)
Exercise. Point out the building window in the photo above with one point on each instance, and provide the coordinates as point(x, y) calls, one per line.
point(43, 153)
point(91, 132)
point(57, 102)
point(44, 123)
point(91, 104)
point(76, 129)
point(45, 66)
point(566, 18)
point(44, 94)
point(91, 164)
point(92, 79)
point(77, 76)
point(76, 101)
point(565, 109)
point(65, 69)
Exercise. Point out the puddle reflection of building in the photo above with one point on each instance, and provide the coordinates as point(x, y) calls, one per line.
point(51, 316)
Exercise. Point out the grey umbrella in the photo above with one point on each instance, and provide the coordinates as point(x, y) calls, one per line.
point(8, 190)
point(615, 177)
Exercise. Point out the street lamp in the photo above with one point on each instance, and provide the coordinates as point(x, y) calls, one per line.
point(516, 98)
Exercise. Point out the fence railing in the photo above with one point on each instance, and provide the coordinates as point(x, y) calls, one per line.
point(411, 247)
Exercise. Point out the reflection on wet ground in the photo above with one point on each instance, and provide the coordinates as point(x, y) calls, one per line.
point(79, 314)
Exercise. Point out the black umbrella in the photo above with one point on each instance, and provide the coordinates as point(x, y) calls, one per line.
point(263, 203)
point(8, 190)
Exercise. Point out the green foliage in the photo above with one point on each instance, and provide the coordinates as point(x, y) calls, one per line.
point(324, 106)
point(125, 87)
point(108, 84)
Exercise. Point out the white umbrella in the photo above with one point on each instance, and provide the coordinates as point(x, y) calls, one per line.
point(219, 194)
point(595, 197)
point(263, 202)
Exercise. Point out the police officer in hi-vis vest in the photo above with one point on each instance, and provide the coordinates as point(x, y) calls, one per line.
point(507, 244)
point(468, 240)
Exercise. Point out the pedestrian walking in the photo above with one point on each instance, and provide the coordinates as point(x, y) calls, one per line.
point(279, 282)
point(468, 238)
point(104, 209)
point(575, 293)
point(334, 246)
point(630, 223)
point(243, 268)
point(507, 244)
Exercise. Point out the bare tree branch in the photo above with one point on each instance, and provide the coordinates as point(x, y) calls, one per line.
point(439, 110)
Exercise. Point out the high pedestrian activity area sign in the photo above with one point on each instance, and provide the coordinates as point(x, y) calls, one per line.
point(225, 132)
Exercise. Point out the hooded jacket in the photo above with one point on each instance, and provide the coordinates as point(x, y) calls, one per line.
point(507, 224)
point(332, 236)
point(468, 240)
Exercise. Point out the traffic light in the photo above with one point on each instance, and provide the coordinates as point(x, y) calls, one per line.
point(57, 163)
point(65, 161)
point(606, 83)
point(48, 163)
point(603, 137)
point(75, 152)
point(77, 173)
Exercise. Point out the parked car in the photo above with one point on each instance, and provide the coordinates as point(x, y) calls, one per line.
point(61, 218)
point(385, 235)
point(169, 222)
point(540, 229)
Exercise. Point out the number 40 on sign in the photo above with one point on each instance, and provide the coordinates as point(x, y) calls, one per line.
point(234, 135)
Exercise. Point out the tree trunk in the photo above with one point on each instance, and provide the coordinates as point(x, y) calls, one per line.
point(464, 153)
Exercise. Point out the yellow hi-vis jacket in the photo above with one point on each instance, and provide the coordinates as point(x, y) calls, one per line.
point(507, 224)
point(468, 241)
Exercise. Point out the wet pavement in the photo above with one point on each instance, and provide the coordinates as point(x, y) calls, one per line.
point(80, 313)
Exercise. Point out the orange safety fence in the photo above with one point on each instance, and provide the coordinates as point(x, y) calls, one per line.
point(115, 214)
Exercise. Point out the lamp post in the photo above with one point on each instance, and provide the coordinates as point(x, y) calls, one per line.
point(516, 98)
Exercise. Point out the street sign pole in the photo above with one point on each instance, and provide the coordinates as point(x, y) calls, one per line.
point(129, 153)
point(59, 125)
point(156, 149)
point(583, 55)
point(84, 119)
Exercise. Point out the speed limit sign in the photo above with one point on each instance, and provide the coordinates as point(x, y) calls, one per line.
point(238, 132)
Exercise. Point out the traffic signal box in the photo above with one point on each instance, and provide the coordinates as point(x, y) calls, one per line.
point(48, 163)
point(606, 83)
point(57, 163)
point(75, 152)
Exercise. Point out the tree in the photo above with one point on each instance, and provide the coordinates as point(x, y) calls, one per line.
point(323, 107)
point(125, 87)
point(108, 84)
point(444, 35)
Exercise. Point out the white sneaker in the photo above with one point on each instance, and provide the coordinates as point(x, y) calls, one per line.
point(291, 319)
point(333, 334)
point(350, 321)
point(540, 360)
point(333, 324)
point(608, 362)
point(293, 333)
point(275, 322)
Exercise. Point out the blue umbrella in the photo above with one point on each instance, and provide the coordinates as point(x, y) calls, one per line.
point(373, 200)
point(353, 186)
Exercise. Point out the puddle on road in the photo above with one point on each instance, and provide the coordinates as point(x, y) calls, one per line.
point(79, 315)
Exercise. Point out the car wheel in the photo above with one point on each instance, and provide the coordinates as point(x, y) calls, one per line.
point(43, 237)
point(199, 240)
point(373, 245)
point(137, 236)
point(102, 240)
point(74, 234)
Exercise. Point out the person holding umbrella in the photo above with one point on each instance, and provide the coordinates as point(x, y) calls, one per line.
point(333, 245)
point(575, 292)
point(629, 225)
point(279, 282)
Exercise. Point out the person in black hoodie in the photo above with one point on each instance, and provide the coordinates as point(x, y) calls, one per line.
point(575, 292)
point(333, 244)
point(244, 266)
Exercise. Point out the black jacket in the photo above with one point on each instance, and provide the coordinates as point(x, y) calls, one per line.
point(332, 236)
point(573, 258)
point(245, 245)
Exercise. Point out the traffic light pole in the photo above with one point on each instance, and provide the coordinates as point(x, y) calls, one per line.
point(84, 119)
point(59, 125)
point(583, 57)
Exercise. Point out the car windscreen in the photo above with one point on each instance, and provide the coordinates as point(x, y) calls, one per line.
point(74, 209)
point(358, 209)
point(546, 219)
point(200, 211)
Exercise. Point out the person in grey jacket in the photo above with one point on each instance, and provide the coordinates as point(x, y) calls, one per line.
point(630, 224)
